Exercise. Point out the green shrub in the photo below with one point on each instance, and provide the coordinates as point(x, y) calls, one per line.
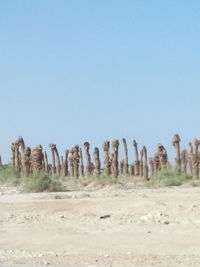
point(169, 177)
point(105, 179)
point(41, 181)
point(9, 176)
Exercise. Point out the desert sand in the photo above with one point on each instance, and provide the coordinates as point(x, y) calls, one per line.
point(112, 226)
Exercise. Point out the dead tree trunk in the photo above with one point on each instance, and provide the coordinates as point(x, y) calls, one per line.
point(126, 156)
point(58, 165)
point(37, 158)
point(97, 161)
point(17, 156)
point(13, 155)
point(141, 163)
point(122, 166)
point(137, 162)
point(21, 143)
point(46, 163)
point(131, 169)
point(190, 156)
point(65, 169)
point(71, 162)
point(107, 159)
point(156, 163)
point(53, 168)
point(81, 163)
point(152, 166)
point(162, 153)
point(176, 143)
point(62, 165)
point(26, 161)
point(145, 164)
point(195, 162)
point(184, 160)
point(88, 158)
point(76, 159)
point(115, 163)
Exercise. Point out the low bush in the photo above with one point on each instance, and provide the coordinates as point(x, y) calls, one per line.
point(9, 176)
point(41, 181)
point(105, 179)
point(169, 177)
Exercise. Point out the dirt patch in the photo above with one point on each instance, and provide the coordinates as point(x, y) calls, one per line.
point(108, 227)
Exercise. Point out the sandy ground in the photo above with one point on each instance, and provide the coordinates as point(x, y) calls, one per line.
point(145, 227)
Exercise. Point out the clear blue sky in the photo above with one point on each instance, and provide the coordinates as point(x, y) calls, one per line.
point(73, 70)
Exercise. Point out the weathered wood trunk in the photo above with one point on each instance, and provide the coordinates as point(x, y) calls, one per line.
point(81, 163)
point(122, 166)
point(131, 169)
point(145, 164)
point(141, 163)
point(176, 143)
point(17, 156)
point(26, 161)
point(195, 161)
point(57, 157)
point(71, 162)
point(162, 153)
point(65, 164)
point(13, 154)
point(46, 163)
point(126, 171)
point(53, 168)
point(184, 160)
point(115, 163)
point(97, 161)
point(190, 156)
point(21, 143)
point(88, 158)
point(107, 159)
point(137, 162)
point(76, 159)
point(37, 158)
point(156, 163)
point(151, 166)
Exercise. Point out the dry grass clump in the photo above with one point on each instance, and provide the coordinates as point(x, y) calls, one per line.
point(41, 181)
point(36, 182)
point(169, 177)
point(9, 175)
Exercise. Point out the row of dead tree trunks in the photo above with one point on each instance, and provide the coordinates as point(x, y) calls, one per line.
point(28, 161)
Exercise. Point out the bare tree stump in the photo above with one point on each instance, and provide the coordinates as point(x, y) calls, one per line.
point(184, 160)
point(151, 163)
point(176, 143)
point(76, 158)
point(126, 156)
point(107, 159)
point(145, 164)
point(26, 161)
point(53, 168)
point(81, 162)
point(115, 163)
point(137, 162)
point(37, 158)
point(97, 161)
point(88, 158)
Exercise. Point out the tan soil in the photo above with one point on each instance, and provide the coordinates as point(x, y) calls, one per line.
point(146, 227)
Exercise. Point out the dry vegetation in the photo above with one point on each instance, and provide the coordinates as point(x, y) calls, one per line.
point(31, 168)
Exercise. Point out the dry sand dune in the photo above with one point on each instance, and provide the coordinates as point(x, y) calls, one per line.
point(145, 227)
